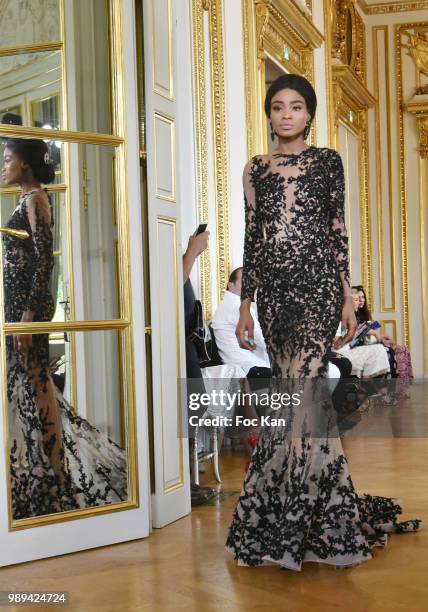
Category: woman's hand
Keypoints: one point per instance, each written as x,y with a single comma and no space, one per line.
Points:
22,342
386,340
245,328
349,321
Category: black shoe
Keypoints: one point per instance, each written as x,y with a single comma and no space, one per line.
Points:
199,495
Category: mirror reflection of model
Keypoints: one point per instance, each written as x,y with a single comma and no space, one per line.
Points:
59,462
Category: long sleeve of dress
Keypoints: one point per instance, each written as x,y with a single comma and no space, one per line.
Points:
338,235
42,256
252,238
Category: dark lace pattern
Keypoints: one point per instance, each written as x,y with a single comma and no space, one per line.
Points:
58,461
298,502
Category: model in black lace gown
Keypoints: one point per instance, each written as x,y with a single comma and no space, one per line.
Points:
298,502
58,461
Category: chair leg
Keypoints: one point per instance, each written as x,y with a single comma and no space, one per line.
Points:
215,454
195,462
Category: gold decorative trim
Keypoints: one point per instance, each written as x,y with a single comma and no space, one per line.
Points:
351,102
170,94
301,22
349,44
332,134
18,131
423,217
383,8
169,121
201,147
403,179
160,219
392,322
269,31
16,191
218,102
43,328
55,45
420,110
249,75
71,515
379,194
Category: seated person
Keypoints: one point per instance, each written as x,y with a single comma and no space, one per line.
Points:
224,324
400,354
367,361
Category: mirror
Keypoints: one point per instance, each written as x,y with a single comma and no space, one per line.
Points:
31,84
66,457
95,247
26,22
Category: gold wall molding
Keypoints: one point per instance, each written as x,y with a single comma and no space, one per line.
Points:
31,48
383,8
423,217
393,323
284,33
167,92
418,51
349,44
351,103
420,111
302,22
171,223
221,158
379,188
400,29
328,34
201,145
220,149
20,131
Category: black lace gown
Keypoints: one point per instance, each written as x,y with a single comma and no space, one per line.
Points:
58,461
298,502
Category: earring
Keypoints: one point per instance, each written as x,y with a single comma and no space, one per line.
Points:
307,129
272,133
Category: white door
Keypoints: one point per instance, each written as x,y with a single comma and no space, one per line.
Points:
166,57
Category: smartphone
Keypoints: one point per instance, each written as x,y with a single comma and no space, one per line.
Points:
201,228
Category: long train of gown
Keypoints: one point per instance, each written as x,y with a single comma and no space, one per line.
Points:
298,502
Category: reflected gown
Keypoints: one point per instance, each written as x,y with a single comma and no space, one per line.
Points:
58,461
298,502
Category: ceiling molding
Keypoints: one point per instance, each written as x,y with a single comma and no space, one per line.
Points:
381,8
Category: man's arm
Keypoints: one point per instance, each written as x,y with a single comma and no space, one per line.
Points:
196,246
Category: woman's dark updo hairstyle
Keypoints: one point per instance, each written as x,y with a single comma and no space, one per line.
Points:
35,153
299,84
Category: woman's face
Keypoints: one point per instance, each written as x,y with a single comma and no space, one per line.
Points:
361,299
288,113
356,300
12,168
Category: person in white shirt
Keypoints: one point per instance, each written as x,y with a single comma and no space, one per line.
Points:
224,324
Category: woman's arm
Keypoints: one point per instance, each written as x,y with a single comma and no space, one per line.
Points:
338,235
252,239
39,218
252,249
339,240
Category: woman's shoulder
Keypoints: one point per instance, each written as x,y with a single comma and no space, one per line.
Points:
36,202
327,153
